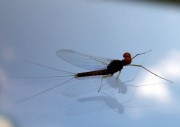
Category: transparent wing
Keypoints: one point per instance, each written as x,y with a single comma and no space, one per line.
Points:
82,60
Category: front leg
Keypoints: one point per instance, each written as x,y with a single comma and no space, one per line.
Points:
137,65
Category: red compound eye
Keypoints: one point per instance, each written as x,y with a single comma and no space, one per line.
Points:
125,55
127,60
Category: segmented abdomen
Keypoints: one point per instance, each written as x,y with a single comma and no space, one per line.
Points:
92,73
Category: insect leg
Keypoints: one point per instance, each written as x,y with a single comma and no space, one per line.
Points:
118,75
105,76
100,85
117,81
150,72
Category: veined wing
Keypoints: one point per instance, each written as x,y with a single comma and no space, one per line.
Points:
82,60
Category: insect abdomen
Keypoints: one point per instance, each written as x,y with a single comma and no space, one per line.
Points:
92,73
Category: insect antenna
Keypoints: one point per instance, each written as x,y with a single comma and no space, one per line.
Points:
141,53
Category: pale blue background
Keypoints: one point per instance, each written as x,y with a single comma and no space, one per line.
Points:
35,29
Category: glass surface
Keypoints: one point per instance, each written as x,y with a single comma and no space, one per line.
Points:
35,92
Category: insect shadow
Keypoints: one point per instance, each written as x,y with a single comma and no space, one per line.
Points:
118,84
107,101
94,104
110,83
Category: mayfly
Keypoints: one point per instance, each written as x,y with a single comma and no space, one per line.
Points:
108,66
99,66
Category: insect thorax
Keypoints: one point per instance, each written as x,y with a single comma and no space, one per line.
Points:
115,66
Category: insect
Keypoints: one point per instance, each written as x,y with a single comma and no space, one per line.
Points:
99,66
109,66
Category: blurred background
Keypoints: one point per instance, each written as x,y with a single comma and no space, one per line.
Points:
34,30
